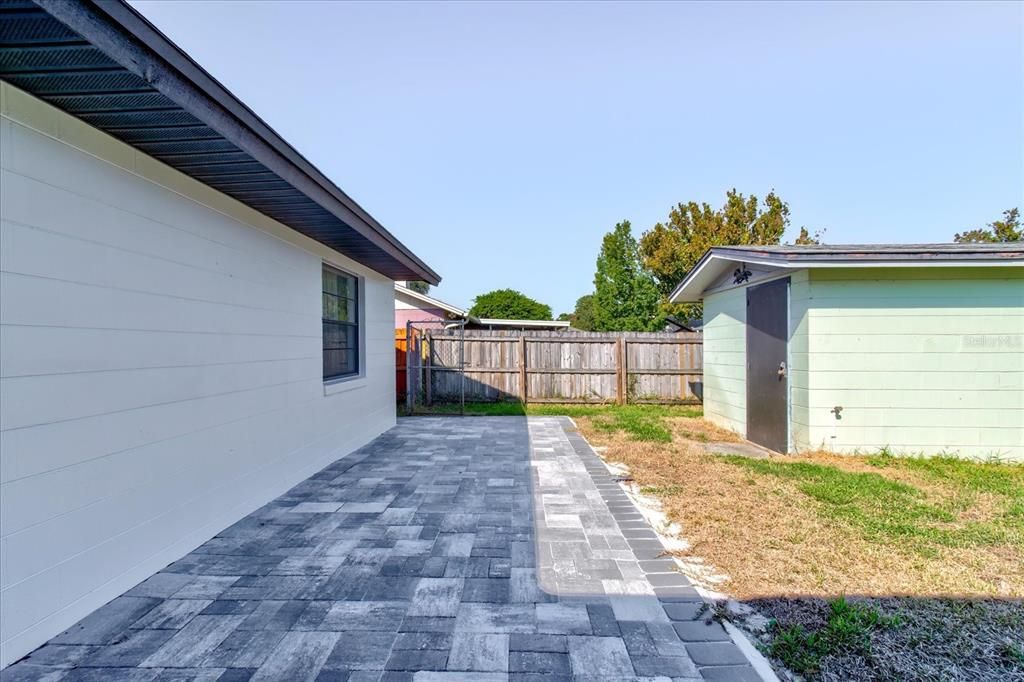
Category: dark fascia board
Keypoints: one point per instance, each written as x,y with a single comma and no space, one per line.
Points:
130,40
880,255
876,252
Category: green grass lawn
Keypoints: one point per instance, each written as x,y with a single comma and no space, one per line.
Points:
885,509
640,422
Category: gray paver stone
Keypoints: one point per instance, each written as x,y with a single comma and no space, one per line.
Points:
479,652
715,653
599,656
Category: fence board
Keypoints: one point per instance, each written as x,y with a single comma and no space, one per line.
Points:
559,366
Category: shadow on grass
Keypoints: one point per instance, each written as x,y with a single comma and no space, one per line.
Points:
891,637
641,422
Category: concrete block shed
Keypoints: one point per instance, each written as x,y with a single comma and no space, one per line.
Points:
915,348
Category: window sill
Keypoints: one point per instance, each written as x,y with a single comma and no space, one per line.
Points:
344,385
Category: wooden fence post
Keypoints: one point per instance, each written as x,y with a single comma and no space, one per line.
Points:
620,371
523,392
683,348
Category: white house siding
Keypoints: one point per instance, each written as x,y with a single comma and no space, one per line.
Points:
922,360
160,367
725,342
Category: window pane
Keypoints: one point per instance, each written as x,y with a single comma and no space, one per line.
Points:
340,315
330,307
337,336
330,282
341,311
339,362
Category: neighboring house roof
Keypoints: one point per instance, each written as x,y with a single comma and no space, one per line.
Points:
718,259
107,65
526,324
676,324
430,301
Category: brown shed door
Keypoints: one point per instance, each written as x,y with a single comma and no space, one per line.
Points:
767,372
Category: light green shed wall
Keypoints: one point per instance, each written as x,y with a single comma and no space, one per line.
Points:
725,340
799,360
920,359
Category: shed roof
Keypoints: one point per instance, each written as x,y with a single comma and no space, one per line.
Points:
106,64
718,259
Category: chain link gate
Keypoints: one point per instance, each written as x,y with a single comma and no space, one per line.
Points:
420,363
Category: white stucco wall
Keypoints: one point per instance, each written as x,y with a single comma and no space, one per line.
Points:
160,367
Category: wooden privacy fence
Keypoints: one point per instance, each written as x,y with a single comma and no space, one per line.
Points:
556,367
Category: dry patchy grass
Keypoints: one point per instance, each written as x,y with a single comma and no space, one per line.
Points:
933,549
774,533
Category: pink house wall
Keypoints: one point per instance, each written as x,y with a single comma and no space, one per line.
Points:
403,315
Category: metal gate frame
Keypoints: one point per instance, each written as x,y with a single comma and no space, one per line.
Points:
418,361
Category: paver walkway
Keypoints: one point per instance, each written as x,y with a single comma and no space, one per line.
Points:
486,548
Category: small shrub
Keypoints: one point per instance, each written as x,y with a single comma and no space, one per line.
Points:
882,458
850,625
797,649
846,632
1012,652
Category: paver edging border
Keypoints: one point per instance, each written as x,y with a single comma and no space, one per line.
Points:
589,456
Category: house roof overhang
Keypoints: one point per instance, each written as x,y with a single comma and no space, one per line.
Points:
717,260
102,62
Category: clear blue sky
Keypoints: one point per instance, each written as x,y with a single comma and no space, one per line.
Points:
501,141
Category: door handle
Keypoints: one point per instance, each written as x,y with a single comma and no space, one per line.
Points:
782,370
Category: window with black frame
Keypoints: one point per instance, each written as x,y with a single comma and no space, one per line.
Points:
340,323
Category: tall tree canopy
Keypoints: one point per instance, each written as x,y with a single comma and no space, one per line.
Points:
626,297
1006,230
671,249
582,316
509,304
806,238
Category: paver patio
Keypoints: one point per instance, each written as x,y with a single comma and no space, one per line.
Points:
488,548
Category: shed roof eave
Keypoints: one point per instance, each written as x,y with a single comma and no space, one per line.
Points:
717,260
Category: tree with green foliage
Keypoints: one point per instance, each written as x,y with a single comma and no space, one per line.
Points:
626,297
671,249
998,231
509,304
805,238
582,316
